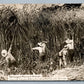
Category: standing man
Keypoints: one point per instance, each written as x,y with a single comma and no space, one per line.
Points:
70,46
62,56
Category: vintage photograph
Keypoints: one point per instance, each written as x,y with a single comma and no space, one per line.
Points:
42,42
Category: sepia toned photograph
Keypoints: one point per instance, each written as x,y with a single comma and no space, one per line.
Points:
42,42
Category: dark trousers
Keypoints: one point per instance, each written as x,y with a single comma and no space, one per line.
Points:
70,55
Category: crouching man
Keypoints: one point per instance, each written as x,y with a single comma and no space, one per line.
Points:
8,59
62,56
41,48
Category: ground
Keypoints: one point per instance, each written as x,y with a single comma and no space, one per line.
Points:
73,73
68,73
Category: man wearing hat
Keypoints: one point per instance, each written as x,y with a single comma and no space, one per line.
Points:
41,48
8,58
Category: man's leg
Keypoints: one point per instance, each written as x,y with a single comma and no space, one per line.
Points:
64,60
60,62
71,55
7,67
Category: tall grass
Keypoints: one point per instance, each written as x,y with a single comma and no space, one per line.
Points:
35,26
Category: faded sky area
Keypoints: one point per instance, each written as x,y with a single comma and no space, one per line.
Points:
41,1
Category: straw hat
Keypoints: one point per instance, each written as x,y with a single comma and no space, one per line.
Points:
4,53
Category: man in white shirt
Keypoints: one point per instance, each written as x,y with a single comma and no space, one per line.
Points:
70,43
70,46
41,48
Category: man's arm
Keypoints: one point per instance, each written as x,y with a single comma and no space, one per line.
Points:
9,50
60,53
35,48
